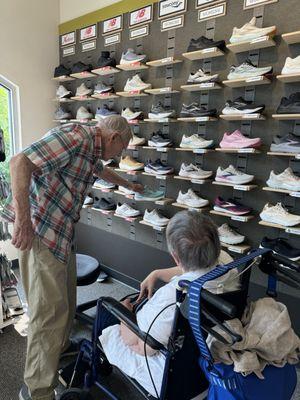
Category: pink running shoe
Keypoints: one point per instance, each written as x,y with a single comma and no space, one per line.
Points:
236,140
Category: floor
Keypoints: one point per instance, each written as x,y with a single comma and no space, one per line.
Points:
13,346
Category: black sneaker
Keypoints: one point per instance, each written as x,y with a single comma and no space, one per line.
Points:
158,168
81,67
61,70
290,105
281,247
104,204
194,110
204,43
158,139
105,60
73,349
242,106
159,111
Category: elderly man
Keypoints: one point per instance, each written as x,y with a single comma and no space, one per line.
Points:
50,179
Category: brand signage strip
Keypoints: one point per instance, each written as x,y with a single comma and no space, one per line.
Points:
112,39
68,38
172,23
87,33
205,3
212,12
141,16
139,32
111,25
68,51
166,8
88,46
256,3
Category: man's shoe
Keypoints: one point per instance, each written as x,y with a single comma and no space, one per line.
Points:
229,236
281,247
24,393
233,176
71,350
62,92
158,168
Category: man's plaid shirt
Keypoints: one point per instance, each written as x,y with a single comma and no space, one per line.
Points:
67,158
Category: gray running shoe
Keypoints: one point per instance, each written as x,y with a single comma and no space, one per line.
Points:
159,111
286,144
83,113
104,111
247,70
103,88
61,114
130,57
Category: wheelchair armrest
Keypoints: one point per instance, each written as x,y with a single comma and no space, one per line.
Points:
129,318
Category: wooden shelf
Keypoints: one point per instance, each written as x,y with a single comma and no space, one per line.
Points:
129,172
134,93
194,181
163,177
255,44
105,96
244,187
197,119
160,120
159,149
133,67
83,75
202,54
63,78
199,209
295,230
83,98
241,218
195,151
247,150
128,219
286,116
161,91
236,248
164,202
105,71
63,100
279,154
242,117
289,78
197,87
163,62
292,37
291,193
155,227
256,80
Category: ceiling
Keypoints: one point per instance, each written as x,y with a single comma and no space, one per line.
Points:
70,9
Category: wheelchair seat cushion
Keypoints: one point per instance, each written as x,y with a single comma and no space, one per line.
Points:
87,266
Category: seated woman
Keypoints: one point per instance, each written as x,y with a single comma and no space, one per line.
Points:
194,245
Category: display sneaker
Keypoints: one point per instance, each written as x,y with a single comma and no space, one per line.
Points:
241,106
130,164
236,140
104,112
81,67
286,144
83,113
286,180
61,114
61,70
159,111
194,110
232,175
131,115
279,215
105,60
201,77
228,235
247,70
62,92
136,141
290,105
101,88
195,142
230,207
204,43
108,162
102,184
291,66
83,90
104,204
191,199
149,195
156,218
158,139
193,172
126,191
130,57
281,247
136,84
158,168
88,201
250,31
126,211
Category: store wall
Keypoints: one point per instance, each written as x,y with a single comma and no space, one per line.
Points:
29,53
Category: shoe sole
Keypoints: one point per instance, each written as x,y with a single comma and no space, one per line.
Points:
149,198
241,182
155,172
260,72
203,146
196,177
216,208
126,168
127,216
234,111
129,62
192,206
231,242
161,115
284,149
278,186
154,144
273,220
156,223
244,38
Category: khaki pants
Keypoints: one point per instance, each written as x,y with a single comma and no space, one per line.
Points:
50,288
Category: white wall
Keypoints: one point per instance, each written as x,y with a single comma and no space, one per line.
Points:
29,54
70,9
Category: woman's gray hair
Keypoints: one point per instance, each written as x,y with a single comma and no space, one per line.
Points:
193,239
116,123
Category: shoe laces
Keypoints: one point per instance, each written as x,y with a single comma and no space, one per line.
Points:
281,209
234,170
289,174
192,194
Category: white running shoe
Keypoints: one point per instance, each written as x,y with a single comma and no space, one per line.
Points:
286,180
137,141
62,92
200,77
247,70
232,175
191,199
279,215
229,236
83,90
291,66
193,172
88,201
126,191
195,142
249,32
136,83
155,218
130,115
83,113
125,210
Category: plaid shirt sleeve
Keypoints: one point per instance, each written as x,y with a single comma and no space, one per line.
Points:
99,167
53,151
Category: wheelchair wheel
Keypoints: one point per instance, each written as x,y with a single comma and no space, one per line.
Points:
76,394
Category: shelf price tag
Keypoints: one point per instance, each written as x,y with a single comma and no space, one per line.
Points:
255,79
294,231
161,149
209,50
166,89
295,194
163,120
199,151
251,116
166,60
238,218
260,39
201,119
198,181
206,85
235,249
297,156
241,187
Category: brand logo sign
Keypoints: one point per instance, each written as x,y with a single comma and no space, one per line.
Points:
212,12
172,23
141,16
89,32
68,38
171,7
112,25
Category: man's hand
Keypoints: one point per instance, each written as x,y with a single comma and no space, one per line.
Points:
127,304
23,234
137,187
147,286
